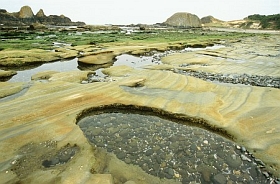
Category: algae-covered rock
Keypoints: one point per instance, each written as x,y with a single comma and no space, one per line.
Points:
98,58
4,75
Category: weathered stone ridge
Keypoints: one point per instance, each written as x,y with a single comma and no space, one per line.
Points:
26,17
183,19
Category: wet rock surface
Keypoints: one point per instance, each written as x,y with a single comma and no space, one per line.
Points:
37,156
250,114
6,75
173,151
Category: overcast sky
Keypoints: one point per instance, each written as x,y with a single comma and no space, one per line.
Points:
144,11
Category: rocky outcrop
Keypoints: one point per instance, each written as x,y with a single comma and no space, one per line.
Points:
209,19
26,17
40,13
9,19
6,75
183,19
98,58
26,12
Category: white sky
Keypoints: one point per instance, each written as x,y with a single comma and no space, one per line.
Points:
144,11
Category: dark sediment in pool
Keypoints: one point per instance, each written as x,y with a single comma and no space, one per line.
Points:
170,150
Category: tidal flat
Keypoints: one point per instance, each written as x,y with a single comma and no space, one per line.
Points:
222,86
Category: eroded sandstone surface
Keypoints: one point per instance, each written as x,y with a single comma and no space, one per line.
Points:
43,119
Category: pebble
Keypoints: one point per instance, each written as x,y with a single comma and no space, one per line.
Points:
164,149
253,80
219,179
245,158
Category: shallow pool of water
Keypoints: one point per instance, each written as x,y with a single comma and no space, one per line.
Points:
61,66
24,75
170,150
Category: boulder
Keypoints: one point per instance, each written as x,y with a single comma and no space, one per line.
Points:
98,58
209,19
40,13
26,12
3,11
183,19
37,26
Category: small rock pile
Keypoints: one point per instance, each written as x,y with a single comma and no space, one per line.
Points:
246,79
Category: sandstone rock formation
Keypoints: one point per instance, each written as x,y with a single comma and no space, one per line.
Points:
40,13
26,12
98,58
6,74
209,19
183,19
26,17
43,120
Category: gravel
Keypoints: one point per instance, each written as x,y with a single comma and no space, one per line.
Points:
170,150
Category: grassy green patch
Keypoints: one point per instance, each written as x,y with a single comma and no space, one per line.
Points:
20,48
45,40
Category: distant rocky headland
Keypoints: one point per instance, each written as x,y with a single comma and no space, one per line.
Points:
267,22
188,20
26,17
183,20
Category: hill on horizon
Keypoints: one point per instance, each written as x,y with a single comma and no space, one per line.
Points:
26,17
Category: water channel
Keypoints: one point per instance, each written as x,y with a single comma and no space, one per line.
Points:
72,65
24,75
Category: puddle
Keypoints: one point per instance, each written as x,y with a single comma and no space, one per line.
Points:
40,156
132,61
190,49
170,150
61,66
24,75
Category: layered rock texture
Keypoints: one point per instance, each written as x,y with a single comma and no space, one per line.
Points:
26,17
41,123
183,19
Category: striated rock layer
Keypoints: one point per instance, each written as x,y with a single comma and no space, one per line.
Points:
40,125
47,112
183,19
